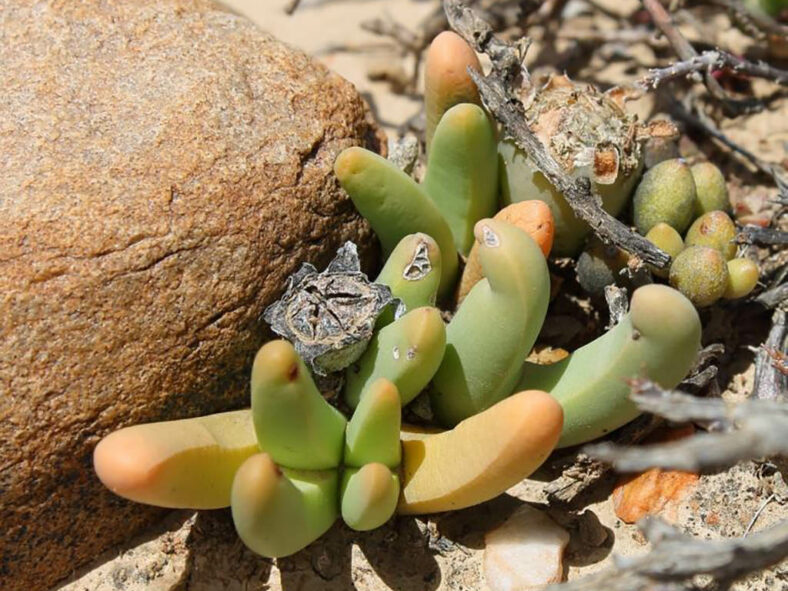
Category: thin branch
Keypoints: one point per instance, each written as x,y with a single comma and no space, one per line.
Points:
753,429
685,51
771,382
388,27
506,59
581,472
762,236
708,61
675,559
292,6
628,36
507,70
771,298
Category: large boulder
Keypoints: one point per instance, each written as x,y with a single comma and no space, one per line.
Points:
165,166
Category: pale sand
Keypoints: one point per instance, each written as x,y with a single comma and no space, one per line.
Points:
319,24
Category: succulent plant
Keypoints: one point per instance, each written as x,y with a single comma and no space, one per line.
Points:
368,496
598,266
715,230
396,206
373,431
588,133
666,193
711,190
657,339
532,217
290,466
412,273
666,238
446,79
482,456
406,352
294,423
659,149
293,464
742,278
459,188
277,511
462,174
495,326
701,274
157,463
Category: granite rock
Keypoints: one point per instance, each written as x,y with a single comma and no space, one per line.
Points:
165,166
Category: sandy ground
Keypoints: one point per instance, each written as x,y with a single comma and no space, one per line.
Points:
318,27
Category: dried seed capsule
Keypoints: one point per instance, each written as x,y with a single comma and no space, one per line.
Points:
742,278
666,193
368,496
588,133
665,237
278,511
329,316
658,339
715,230
701,274
710,187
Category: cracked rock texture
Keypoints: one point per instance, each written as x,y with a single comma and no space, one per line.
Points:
165,166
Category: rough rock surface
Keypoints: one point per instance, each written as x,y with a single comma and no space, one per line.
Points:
165,166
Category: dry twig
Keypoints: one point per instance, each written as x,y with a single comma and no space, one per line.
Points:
756,21
292,6
771,381
701,122
580,472
708,61
752,429
762,236
675,559
686,52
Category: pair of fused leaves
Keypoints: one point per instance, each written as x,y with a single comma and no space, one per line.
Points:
315,465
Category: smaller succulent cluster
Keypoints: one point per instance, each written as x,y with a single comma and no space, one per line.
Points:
671,200
674,198
313,463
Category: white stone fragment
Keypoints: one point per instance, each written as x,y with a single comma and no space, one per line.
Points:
525,553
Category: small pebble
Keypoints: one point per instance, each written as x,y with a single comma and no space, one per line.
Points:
525,553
